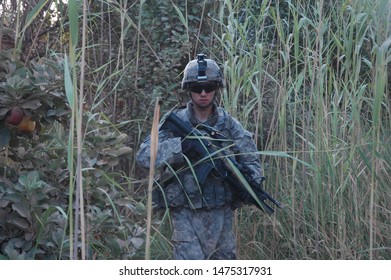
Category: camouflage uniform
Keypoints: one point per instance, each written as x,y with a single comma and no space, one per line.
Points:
202,216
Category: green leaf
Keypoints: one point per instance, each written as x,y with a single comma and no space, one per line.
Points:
3,111
3,203
137,242
22,209
181,16
33,104
34,12
121,151
23,181
33,177
20,222
12,253
246,185
30,18
68,83
73,21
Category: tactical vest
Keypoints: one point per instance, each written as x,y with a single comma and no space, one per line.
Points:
183,190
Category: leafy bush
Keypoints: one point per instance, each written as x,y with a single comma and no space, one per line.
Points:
35,186
31,226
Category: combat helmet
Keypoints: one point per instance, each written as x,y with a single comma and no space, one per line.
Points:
201,70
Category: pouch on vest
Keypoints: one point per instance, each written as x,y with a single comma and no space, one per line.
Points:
171,196
193,191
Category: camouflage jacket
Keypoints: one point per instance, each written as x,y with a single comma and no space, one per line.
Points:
169,157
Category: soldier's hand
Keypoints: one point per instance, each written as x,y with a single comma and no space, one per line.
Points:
188,148
246,197
193,148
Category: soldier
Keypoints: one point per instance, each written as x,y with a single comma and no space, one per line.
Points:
202,215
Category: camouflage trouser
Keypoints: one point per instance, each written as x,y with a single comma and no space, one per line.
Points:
204,234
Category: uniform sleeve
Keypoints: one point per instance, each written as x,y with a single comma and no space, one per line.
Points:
246,150
168,151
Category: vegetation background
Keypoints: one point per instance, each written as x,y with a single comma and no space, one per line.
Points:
309,78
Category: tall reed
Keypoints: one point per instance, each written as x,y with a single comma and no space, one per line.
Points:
317,91
154,144
309,79
71,87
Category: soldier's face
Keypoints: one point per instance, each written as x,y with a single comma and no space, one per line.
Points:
203,94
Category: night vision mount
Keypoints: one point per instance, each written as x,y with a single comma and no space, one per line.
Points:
201,68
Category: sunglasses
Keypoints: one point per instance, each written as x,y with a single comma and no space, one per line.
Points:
198,88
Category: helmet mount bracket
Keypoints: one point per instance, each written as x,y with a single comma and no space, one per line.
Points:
201,68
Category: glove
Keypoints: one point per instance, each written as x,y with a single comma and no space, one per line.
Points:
188,148
246,197
192,148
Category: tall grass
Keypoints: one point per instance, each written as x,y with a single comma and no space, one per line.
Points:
309,78
75,99
325,76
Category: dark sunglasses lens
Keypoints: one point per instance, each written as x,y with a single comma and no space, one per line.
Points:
210,87
200,88
196,88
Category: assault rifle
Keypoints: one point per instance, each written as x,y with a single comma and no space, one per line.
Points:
226,167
